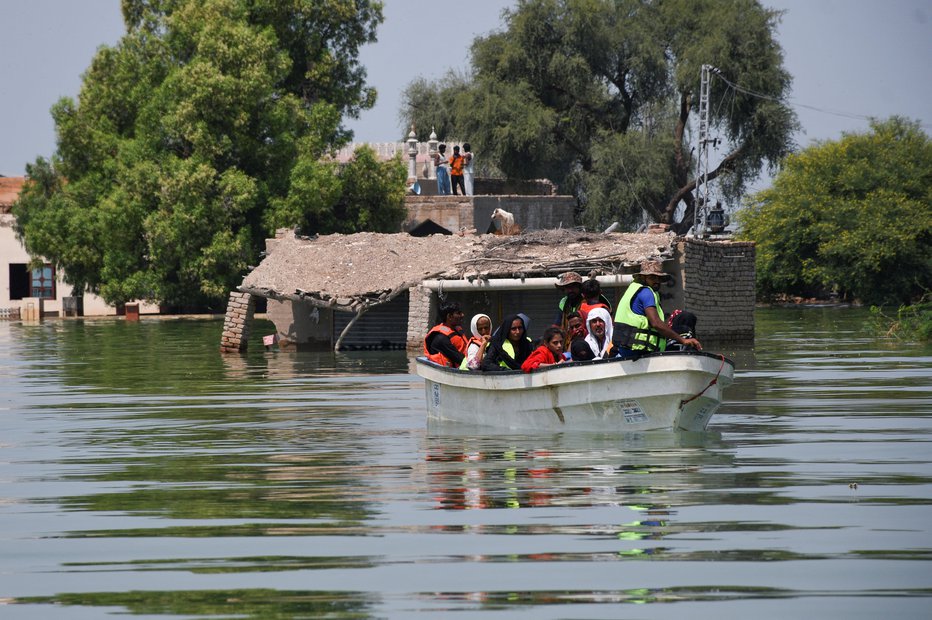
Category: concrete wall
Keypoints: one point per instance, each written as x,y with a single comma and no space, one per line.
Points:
718,286
301,325
455,213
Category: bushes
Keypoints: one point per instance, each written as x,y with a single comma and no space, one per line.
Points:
851,216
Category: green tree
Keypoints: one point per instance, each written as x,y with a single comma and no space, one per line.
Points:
599,96
208,123
850,216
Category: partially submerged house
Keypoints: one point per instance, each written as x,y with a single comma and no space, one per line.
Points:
381,291
30,291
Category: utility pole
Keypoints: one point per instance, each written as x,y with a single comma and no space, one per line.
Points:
702,165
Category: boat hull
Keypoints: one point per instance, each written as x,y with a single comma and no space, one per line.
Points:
676,390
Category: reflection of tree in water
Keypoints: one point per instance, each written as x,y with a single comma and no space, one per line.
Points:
324,486
254,603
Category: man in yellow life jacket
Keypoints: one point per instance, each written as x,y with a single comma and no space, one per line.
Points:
639,323
445,343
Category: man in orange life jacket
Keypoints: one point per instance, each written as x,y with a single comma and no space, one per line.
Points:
445,343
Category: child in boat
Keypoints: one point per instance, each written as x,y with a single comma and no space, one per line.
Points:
550,351
683,323
575,331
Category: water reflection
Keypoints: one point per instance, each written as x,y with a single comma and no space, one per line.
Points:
146,474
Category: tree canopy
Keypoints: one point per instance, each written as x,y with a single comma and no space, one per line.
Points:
850,216
208,125
599,95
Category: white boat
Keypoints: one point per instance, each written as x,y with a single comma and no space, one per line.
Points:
670,390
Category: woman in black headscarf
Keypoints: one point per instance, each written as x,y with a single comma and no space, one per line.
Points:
509,346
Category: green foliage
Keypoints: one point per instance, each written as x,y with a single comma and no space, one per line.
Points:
363,195
599,95
206,126
851,216
912,322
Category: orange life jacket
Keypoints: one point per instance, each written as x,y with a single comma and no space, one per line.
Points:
456,338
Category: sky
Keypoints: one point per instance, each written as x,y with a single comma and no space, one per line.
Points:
850,59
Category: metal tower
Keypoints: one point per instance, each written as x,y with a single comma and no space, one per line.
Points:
702,165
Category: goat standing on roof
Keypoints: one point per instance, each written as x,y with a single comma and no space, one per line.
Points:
504,223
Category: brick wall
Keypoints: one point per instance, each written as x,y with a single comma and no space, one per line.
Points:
422,308
235,335
718,286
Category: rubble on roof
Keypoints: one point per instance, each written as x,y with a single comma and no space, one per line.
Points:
353,272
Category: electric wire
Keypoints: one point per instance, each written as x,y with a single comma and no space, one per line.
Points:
791,102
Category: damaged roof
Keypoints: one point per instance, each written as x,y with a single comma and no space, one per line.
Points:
353,272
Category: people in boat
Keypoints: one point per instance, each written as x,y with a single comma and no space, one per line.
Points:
549,353
570,283
599,339
592,295
683,323
445,343
575,330
509,346
481,329
639,320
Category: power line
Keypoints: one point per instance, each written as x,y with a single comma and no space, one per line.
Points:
791,102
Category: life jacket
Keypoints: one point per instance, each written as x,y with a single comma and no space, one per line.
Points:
585,307
508,348
455,337
633,331
464,365
456,165
566,309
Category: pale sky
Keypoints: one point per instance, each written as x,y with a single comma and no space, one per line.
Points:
849,59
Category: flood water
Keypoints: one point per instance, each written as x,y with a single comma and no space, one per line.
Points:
143,474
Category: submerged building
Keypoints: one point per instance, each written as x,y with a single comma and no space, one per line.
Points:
382,291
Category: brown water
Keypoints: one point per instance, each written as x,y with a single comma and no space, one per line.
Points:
144,474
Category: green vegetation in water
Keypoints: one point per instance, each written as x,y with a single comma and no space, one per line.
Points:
849,216
911,322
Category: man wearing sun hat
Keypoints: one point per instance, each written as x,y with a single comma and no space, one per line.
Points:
639,323
571,284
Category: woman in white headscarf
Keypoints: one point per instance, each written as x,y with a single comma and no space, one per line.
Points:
480,327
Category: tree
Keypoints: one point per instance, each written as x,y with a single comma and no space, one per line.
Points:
850,216
207,124
599,96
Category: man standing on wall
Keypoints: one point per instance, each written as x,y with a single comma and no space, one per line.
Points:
456,171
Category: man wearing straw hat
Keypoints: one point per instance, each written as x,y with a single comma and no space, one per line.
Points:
571,285
639,323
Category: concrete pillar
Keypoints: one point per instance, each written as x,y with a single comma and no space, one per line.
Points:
31,309
412,156
240,310
431,151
